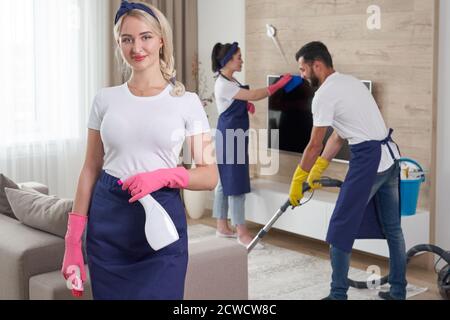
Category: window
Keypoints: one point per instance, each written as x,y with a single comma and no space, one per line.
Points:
49,67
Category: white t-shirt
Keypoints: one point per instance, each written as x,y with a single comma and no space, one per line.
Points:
344,103
224,92
142,134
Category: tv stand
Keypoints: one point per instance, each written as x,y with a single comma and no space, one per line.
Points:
312,219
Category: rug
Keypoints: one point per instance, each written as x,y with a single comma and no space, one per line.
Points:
276,273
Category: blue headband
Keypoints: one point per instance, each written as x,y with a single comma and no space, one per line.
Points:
229,55
126,7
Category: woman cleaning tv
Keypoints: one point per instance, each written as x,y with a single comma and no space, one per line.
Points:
233,104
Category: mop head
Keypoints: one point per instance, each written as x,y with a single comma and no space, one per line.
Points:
294,83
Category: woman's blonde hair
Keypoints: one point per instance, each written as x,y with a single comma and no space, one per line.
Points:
162,29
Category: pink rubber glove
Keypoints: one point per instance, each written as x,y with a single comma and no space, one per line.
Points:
73,255
251,108
280,84
144,183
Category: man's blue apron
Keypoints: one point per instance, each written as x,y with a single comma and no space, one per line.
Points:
355,217
122,264
232,148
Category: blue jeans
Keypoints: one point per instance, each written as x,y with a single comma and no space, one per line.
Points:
234,204
387,200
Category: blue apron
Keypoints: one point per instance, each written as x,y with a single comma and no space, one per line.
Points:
233,170
122,264
355,215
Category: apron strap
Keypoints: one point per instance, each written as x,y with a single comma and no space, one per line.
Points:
386,142
232,80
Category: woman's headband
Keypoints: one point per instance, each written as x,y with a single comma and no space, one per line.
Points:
229,55
126,7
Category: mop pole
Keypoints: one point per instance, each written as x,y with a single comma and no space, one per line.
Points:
325,182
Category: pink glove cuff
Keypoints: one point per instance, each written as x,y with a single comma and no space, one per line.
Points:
251,108
280,84
178,178
75,227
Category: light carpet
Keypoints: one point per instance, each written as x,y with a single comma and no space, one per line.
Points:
276,273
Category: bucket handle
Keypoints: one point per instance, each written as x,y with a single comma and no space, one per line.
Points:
415,163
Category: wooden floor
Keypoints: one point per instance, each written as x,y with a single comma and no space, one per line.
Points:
416,275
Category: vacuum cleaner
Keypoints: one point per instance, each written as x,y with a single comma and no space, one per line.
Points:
443,281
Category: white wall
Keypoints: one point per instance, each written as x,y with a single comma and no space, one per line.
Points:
218,21
443,127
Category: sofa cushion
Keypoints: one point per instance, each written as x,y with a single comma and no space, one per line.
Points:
33,186
25,252
51,286
39,211
5,208
217,270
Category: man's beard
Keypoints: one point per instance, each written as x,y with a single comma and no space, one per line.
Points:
313,80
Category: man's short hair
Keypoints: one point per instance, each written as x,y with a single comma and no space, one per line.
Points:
313,51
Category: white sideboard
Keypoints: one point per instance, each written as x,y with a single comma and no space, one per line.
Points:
312,219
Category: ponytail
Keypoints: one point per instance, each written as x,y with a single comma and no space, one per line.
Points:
215,57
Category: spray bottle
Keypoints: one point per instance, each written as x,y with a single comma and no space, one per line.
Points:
160,230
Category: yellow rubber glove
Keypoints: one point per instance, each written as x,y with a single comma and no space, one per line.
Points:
296,190
316,172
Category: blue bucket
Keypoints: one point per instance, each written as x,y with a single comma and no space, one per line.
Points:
409,191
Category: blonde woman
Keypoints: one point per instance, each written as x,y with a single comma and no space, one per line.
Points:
138,128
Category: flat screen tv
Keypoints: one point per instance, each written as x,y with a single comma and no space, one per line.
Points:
290,119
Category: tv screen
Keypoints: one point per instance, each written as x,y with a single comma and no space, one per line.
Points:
290,115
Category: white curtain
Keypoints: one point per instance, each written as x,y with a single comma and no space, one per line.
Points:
54,56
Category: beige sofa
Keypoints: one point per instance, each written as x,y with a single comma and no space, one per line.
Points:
31,259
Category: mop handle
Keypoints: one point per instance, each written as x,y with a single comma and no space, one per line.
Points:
280,50
325,182
272,33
